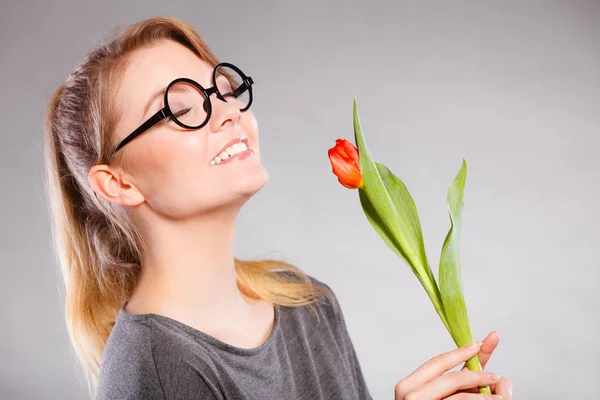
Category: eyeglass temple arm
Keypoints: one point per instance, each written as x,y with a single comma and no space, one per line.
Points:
145,126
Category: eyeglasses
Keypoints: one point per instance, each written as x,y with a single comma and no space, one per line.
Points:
188,104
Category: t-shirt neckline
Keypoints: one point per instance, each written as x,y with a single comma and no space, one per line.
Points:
203,335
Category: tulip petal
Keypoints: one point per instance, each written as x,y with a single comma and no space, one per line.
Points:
350,149
348,174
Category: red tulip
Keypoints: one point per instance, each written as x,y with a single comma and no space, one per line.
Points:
345,165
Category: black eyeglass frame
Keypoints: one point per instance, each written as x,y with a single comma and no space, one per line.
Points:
166,110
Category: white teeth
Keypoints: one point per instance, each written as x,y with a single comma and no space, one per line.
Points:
230,151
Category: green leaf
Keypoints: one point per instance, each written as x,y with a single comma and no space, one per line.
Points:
449,274
391,210
380,227
390,206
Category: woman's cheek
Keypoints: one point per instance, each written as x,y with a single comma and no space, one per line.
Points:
250,127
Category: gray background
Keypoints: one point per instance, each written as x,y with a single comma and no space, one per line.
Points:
512,86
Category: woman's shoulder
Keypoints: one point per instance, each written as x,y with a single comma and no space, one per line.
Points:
330,298
127,369
144,359
312,279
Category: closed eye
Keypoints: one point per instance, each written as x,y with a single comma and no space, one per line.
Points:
237,92
182,112
178,114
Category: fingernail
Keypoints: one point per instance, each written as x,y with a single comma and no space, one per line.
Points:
496,397
473,345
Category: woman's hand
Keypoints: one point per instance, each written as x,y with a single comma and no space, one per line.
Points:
428,382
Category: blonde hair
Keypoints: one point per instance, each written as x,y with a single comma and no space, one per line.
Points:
97,246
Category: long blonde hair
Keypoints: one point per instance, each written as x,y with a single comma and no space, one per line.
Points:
97,246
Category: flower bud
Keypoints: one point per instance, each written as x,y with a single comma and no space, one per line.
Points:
344,163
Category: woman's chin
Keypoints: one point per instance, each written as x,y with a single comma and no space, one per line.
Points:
252,179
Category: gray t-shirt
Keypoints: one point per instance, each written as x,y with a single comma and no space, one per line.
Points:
152,357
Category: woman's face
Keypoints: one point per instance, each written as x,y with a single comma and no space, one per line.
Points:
169,165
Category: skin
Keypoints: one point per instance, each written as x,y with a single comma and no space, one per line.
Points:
430,381
186,211
185,208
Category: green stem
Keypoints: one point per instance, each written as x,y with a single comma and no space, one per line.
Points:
431,287
473,364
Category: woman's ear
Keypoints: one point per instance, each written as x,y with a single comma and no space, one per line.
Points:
108,184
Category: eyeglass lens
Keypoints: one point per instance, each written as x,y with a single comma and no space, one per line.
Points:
189,104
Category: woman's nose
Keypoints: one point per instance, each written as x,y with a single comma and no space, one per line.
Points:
222,113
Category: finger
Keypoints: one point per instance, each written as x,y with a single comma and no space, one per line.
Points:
469,396
451,382
487,348
504,388
436,367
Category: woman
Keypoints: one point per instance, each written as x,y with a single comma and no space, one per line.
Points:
151,150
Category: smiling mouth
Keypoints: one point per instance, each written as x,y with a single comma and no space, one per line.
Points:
238,156
236,149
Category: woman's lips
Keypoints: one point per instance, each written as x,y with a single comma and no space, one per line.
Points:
237,156
242,139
